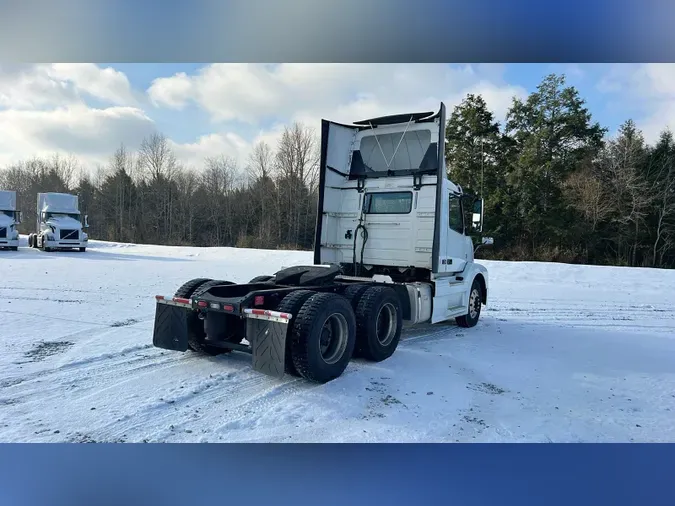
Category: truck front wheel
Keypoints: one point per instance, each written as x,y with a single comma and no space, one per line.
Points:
379,321
471,318
324,335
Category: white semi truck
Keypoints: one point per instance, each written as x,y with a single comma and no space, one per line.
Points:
9,219
393,244
59,223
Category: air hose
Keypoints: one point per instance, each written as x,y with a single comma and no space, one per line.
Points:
364,236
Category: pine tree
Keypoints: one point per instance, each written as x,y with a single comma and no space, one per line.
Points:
553,137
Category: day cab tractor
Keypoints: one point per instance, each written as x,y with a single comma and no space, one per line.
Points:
59,223
393,244
10,218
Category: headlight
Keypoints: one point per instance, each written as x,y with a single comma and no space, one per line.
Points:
16,235
84,236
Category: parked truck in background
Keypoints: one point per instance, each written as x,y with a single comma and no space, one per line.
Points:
59,223
9,219
393,244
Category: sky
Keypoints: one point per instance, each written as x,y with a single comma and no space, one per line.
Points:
88,110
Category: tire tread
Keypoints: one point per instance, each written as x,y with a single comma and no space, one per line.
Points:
303,325
292,303
364,314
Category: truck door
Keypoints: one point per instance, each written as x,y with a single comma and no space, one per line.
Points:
456,251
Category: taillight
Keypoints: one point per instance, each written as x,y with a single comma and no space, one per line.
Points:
228,307
202,303
259,300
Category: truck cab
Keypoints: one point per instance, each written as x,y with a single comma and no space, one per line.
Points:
59,223
388,209
9,219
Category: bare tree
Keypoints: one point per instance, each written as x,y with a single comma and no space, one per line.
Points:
156,157
297,162
158,161
260,170
622,162
588,195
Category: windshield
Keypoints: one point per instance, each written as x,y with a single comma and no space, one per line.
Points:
74,216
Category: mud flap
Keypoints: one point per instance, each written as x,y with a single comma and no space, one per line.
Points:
171,327
268,345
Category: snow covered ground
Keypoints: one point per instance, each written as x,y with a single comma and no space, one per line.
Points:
562,354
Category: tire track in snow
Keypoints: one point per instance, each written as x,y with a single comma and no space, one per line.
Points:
231,401
93,332
38,385
214,398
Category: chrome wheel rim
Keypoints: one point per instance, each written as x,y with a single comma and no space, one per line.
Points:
474,303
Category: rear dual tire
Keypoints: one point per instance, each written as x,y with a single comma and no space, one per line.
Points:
323,337
292,304
379,321
327,329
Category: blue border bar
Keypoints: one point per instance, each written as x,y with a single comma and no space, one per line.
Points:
466,475
276,31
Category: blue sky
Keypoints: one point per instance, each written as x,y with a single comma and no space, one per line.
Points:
87,110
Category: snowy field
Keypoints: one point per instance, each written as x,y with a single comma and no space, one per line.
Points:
562,354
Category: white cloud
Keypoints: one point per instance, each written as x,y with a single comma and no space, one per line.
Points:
43,111
254,93
92,135
260,95
106,84
30,87
646,92
228,144
61,84
44,108
171,92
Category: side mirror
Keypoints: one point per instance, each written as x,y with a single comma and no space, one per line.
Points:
477,217
18,217
86,221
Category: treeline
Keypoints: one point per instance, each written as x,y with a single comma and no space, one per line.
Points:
556,187
148,197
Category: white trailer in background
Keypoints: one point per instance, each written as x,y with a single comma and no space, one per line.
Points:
9,219
59,223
